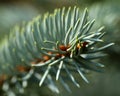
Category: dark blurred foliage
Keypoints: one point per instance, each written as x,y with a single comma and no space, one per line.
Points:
106,12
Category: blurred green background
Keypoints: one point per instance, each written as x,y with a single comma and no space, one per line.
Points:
106,12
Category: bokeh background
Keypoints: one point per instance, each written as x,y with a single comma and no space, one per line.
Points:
106,12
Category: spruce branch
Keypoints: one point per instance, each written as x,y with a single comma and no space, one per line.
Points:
52,46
